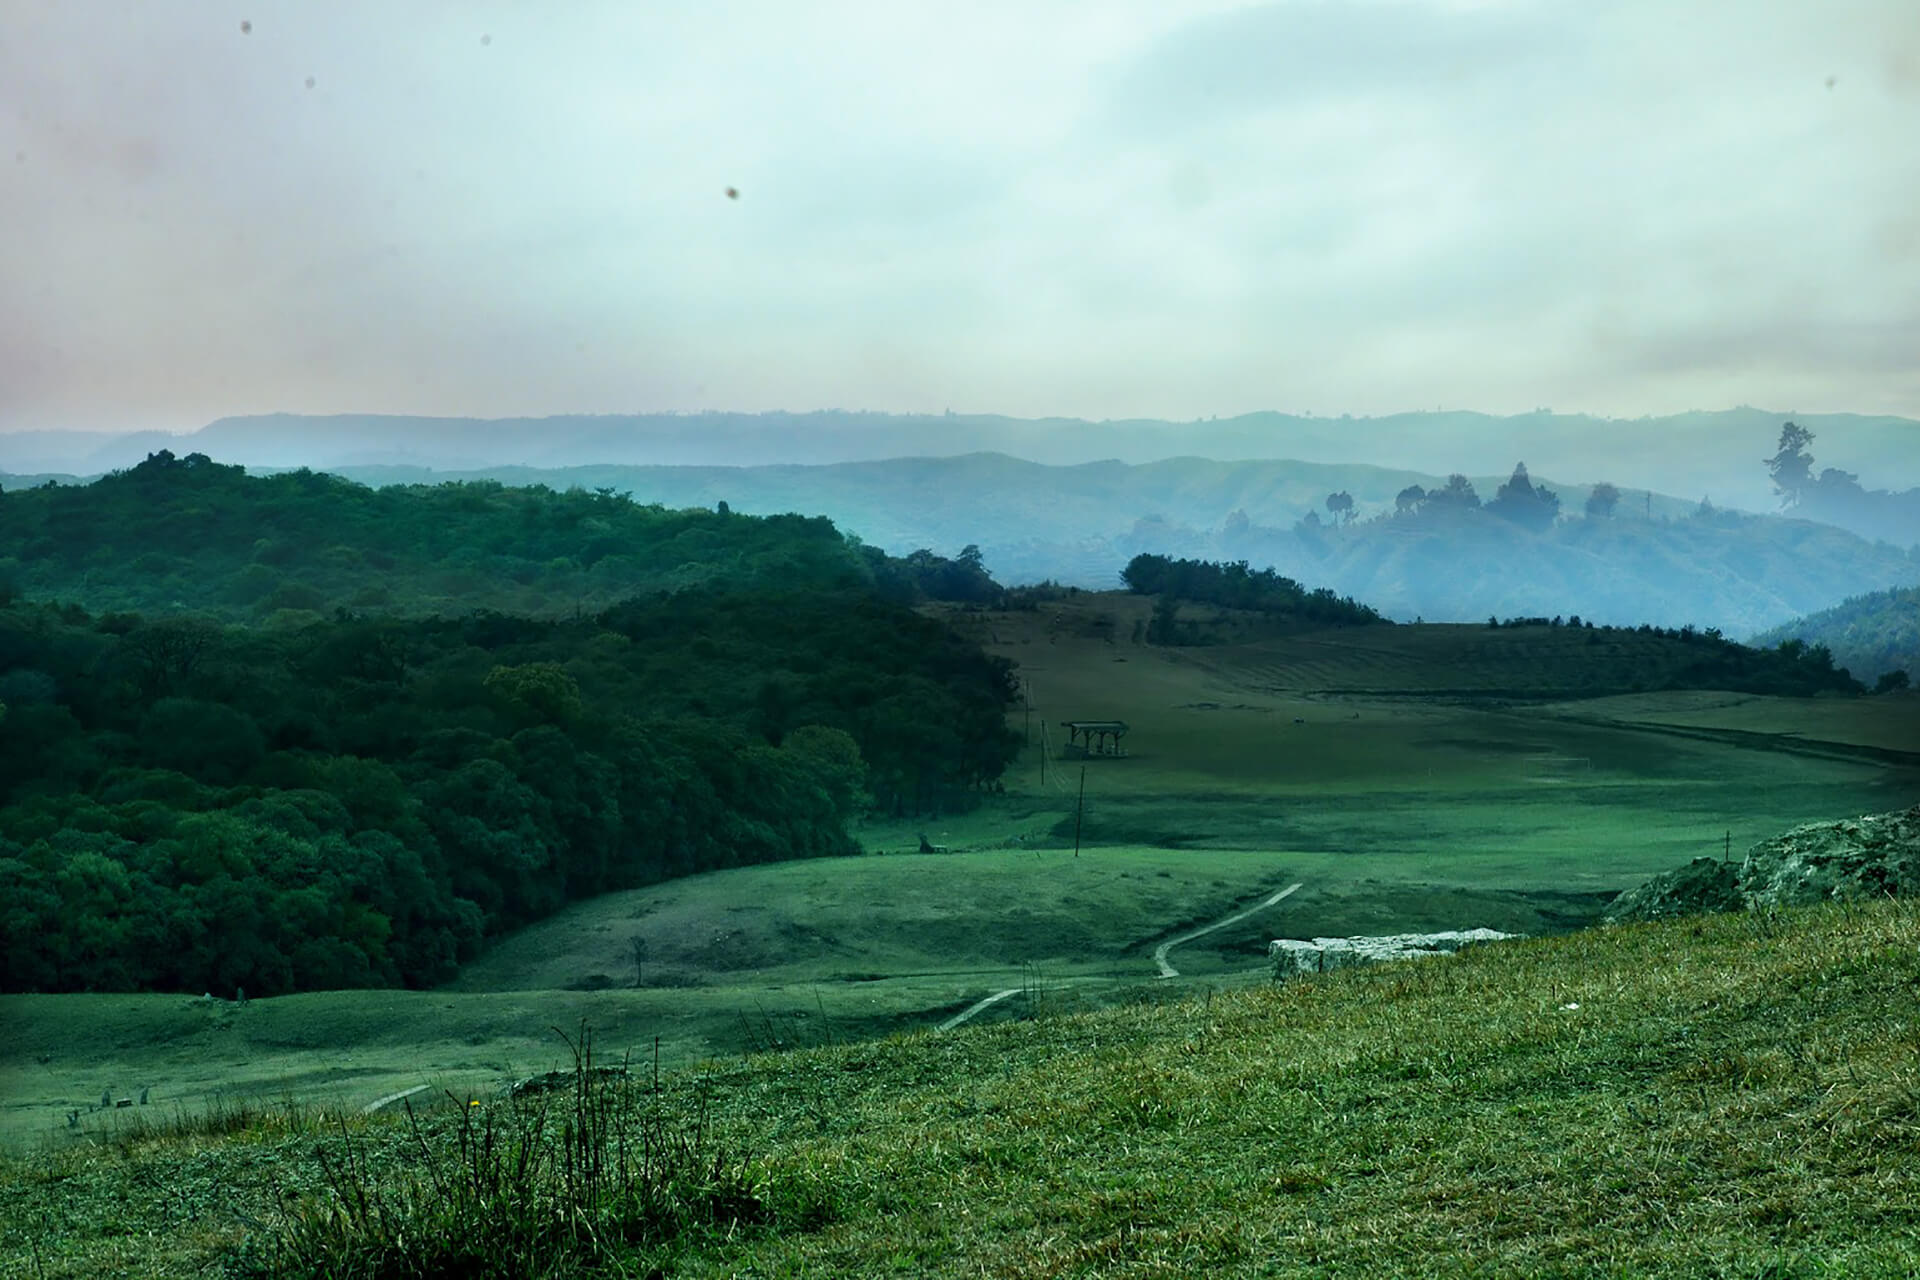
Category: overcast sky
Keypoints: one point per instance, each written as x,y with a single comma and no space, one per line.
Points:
1103,209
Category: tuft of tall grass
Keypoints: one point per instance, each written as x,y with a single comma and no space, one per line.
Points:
579,1179
225,1116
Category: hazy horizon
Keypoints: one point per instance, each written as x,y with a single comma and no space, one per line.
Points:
1134,210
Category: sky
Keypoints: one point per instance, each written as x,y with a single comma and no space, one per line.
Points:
1116,208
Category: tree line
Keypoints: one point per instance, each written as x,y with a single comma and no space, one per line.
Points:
1234,585
1791,668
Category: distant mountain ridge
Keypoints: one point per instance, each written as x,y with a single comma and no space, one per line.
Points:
1659,559
1713,454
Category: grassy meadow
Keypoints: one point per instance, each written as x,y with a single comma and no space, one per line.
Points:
1394,806
1731,1096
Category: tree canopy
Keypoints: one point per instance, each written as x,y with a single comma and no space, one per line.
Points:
189,534
1524,503
363,787
1236,586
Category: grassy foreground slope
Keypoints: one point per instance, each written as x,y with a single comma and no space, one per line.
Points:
1729,1096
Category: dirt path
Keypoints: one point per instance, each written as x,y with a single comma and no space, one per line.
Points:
1160,952
1159,957
976,1007
392,1098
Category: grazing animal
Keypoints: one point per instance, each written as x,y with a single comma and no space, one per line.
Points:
927,846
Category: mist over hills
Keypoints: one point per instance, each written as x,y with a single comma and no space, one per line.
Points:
1703,453
1082,498
1658,559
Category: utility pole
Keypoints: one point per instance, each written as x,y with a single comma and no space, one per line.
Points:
1079,806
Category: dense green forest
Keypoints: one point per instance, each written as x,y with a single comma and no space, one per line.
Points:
364,797
190,806
1877,636
175,534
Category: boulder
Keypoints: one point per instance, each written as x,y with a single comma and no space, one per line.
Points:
1875,856
1703,885
1292,956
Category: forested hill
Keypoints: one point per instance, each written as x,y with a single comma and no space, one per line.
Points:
1876,636
191,534
186,806
396,768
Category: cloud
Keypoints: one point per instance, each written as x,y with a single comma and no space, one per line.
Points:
1278,57
1113,209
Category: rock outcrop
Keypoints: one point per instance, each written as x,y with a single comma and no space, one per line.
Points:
1703,885
1875,856
1292,956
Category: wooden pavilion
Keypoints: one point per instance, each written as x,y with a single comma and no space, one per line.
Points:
1095,737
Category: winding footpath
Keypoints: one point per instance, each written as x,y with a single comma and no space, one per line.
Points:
392,1098
976,1007
1159,957
1160,952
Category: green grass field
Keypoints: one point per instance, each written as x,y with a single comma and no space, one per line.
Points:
1732,1097
1395,807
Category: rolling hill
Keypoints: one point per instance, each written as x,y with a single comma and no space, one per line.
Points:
1871,635
1658,559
